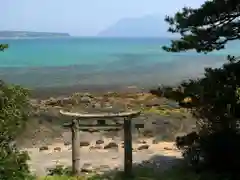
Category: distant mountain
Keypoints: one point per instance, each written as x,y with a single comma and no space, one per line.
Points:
29,34
146,26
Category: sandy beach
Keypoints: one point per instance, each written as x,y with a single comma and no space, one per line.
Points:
94,158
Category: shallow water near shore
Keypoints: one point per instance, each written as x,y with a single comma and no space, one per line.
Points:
69,62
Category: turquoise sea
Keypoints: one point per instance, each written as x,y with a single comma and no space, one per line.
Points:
101,61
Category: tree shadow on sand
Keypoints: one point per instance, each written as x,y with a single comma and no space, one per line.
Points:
155,168
152,169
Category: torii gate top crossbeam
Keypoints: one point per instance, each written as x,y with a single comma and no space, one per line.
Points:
101,115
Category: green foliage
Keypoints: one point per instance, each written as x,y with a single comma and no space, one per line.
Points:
215,100
168,92
206,28
180,172
3,47
62,178
215,104
214,97
13,164
14,111
60,170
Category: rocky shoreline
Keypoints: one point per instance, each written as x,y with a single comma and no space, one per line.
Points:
160,116
45,138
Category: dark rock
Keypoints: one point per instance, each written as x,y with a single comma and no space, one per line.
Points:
116,157
43,148
142,147
141,142
99,141
111,145
92,130
193,127
57,149
166,122
139,126
40,121
84,143
155,141
87,168
154,102
67,143
134,150
96,105
184,116
85,99
104,168
66,101
60,102
108,105
52,102
173,104
95,147
168,148
148,133
157,92
88,95
180,134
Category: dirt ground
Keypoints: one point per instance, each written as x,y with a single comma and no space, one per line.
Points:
161,155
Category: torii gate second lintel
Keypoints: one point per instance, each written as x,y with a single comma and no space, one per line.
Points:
74,125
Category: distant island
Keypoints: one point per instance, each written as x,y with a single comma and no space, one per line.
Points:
29,34
145,26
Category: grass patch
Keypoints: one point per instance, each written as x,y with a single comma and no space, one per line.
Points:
61,178
143,173
157,111
163,111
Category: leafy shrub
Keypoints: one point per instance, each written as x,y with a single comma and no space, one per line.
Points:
3,47
14,111
60,170
215,104
215,97
13,164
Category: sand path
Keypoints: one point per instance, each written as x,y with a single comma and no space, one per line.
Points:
162,154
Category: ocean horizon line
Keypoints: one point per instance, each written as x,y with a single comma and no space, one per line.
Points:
93,37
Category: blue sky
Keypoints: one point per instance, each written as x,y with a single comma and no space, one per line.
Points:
80,17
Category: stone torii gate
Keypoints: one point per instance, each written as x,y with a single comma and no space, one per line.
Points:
76,127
